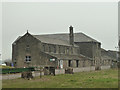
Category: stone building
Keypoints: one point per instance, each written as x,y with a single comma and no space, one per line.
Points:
56,50
109,57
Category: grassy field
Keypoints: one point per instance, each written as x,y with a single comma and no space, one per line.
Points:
93,79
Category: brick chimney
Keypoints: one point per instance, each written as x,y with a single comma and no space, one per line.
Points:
71,35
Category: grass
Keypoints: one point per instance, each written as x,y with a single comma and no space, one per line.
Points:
5,66
93,79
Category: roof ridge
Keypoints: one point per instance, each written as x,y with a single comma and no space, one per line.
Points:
59,33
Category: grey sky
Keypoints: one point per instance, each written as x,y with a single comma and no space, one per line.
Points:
98,20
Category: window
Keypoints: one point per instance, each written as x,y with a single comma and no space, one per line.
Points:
59,50
69,63
67,50
28,58
44,48
49,49
71,50
54,49
77,62
27,48
63,49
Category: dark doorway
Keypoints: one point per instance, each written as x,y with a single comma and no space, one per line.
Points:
69,63
77,62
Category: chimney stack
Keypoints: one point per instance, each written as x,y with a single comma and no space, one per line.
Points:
71,35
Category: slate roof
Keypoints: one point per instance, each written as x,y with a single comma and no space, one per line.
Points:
78,37
52,40
62,39
108,54
17,39
69,57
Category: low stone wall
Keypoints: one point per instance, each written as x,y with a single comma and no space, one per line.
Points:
11,76
92,68
18,75
62,71
105,67
37,73
59,71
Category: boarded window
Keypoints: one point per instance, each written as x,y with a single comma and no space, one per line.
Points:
27,48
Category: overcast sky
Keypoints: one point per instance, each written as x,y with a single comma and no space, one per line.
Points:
98,20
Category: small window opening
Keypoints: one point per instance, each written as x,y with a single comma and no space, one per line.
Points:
28,58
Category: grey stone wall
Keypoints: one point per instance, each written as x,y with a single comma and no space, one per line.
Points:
81,63
61,49
41,52
30,46
92,68
27,45
92,50
97,55
105,67
86,48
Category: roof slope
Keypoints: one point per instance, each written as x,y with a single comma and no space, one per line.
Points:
108,54
69,57
52,40
62,39
78,37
